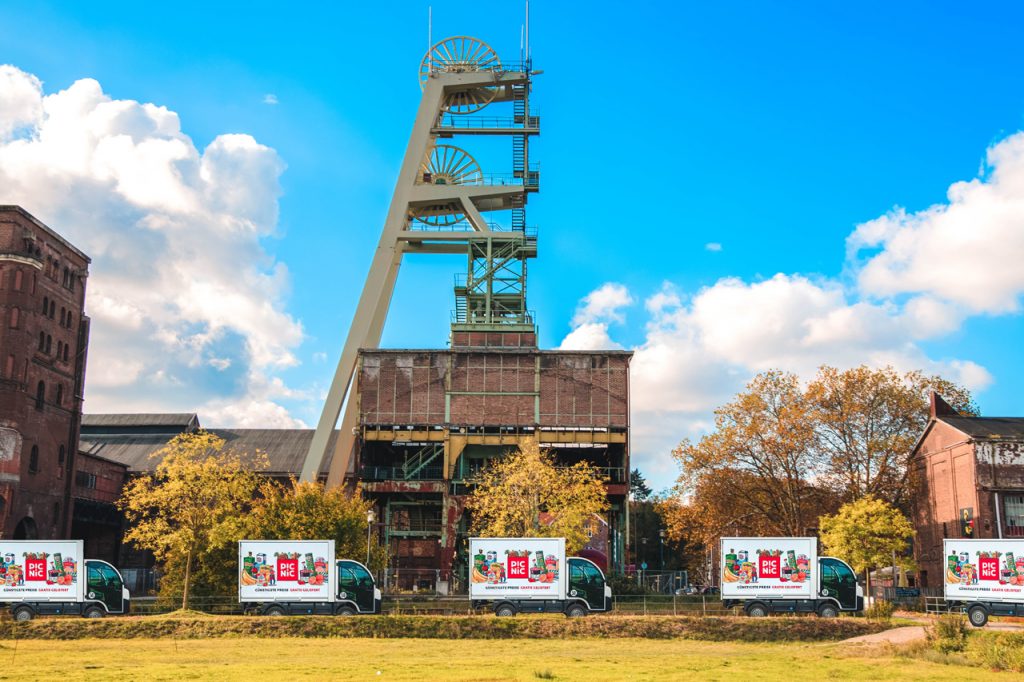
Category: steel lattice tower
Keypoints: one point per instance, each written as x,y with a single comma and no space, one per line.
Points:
439,205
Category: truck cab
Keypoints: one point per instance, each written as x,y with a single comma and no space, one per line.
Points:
356,589
588,585
839,582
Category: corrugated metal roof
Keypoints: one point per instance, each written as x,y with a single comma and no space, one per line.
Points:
180,419
285,448
988,428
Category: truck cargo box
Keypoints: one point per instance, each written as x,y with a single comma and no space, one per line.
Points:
42,571
983,570
769,568
286,571
517,568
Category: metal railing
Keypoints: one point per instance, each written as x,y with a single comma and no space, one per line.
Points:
427,473
476,122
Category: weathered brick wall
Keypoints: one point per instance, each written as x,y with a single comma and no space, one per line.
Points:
495,388
109,479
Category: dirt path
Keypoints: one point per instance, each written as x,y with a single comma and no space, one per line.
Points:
903,635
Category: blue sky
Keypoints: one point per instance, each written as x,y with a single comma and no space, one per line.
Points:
770,129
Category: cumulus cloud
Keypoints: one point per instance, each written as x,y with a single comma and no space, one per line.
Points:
713,246
188,307
270,98
966,252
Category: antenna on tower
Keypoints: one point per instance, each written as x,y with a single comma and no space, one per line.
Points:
430,40
526,34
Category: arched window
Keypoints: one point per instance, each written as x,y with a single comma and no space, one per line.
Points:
40,395
49,343
60,347
15,316
65,352
17,279
63,313
53,309
42,340
67,277
60,456
69,319
46,305
60,394
9,373
33,460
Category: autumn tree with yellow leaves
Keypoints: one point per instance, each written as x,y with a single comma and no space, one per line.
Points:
194,506
512,492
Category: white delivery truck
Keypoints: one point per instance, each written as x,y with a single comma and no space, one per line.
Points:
984,577
534,575
50,578
302,577
786,575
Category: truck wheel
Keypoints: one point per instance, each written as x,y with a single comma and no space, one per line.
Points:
23,615
978,615
575,611
757,610
346,611
94,612
505,611
828,611
274,611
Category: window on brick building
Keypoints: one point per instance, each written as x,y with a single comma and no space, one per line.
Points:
1013,505
15,317
60,347
67,278
33,460
53,309
60,394
63,313
83,479
60,456
9,370
65,353
46,305
42,341
40,395
17,279
69,319
49,344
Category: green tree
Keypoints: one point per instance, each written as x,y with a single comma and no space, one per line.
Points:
639,491
510,494
866,534
304,511
192,509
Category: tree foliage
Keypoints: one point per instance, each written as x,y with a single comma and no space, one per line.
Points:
510,494
303,511
639,491
866,422
781,454
866,533
192,509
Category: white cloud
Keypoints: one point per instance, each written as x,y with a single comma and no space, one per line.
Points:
713,246
966,252
270,98
603,304
188,307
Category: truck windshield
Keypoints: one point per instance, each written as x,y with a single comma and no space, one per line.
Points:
354,574
103,575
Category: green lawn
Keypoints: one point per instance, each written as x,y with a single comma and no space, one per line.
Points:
592,660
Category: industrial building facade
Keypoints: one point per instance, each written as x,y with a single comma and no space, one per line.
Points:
430,420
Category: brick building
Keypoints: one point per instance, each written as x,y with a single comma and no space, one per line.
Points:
970,477
43,339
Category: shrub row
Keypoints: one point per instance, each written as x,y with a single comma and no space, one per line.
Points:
447,627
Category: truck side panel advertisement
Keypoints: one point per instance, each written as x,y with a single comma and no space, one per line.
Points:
769,568
286,570
41,570
517,568
984,570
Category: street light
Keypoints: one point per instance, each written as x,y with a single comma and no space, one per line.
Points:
370,517
661,548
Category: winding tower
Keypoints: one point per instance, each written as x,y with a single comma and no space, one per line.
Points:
439,206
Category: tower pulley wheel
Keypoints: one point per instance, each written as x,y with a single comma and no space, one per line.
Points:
447,165
461,54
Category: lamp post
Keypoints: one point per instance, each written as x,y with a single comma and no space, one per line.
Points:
370,517
661,548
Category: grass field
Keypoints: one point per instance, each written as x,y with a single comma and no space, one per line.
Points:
593,660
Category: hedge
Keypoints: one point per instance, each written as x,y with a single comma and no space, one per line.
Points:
737,629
